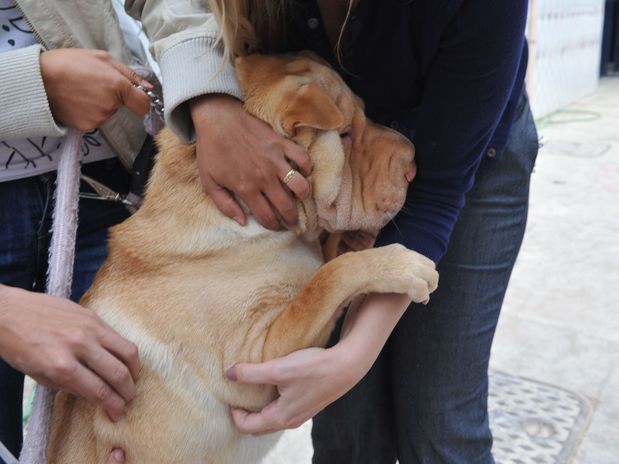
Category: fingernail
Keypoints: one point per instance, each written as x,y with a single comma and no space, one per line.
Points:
239,219
231,374
115,417
118,455
147,84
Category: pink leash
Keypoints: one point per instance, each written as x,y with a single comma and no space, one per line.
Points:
59,279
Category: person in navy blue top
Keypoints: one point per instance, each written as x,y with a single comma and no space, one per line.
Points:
413,383
446,74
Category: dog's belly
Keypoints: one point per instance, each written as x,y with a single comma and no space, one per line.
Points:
191,322
161,425
177,416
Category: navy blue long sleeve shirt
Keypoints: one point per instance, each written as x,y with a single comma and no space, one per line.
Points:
445,73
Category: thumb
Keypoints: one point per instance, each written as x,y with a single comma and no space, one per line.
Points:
262,373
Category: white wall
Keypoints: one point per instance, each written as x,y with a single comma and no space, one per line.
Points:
565,38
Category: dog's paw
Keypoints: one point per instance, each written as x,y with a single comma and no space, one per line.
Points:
406,271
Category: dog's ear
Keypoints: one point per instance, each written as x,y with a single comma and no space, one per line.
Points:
311,107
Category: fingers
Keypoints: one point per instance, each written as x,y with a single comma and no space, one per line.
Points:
89,386
111,371
262,210
297,183
253,423
279,181
125,351
133,98
299,157
129,73
283,202
289,180
261,373
116,456
223,200
272,418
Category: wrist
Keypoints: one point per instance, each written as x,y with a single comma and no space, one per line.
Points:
348,362
207,107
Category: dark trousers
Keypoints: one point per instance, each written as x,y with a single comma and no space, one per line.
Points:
25,218
425,399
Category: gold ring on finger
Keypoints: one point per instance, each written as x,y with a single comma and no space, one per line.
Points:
288,177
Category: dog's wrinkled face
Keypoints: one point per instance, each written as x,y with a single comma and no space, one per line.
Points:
357,184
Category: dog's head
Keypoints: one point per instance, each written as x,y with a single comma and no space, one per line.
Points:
357,184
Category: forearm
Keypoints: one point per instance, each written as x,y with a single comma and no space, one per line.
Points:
4,311
367,327
308,380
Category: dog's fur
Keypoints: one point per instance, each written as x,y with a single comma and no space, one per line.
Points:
197,292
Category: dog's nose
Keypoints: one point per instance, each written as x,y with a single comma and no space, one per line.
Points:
411,172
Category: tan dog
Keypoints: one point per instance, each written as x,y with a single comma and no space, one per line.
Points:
197,292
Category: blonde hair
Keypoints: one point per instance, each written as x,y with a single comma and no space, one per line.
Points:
257,25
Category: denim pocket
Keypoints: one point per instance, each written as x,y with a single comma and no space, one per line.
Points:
523,140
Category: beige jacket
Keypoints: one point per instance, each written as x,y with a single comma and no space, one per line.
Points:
182,32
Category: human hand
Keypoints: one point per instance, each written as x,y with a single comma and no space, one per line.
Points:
307,381
85,87
310,379
65,346
238,153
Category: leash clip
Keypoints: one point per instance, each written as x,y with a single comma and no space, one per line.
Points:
103,192
156,102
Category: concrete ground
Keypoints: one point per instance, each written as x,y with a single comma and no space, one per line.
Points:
560,321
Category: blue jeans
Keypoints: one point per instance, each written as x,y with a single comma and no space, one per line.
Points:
425,399
25,214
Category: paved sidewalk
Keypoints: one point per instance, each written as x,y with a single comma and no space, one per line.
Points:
555,383
560,322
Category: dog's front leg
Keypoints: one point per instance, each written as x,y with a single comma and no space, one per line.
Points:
308,319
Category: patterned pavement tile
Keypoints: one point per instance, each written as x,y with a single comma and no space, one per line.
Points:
533,422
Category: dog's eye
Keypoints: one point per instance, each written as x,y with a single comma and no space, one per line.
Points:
345,134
